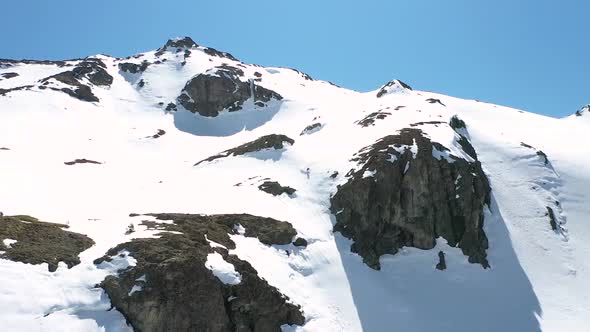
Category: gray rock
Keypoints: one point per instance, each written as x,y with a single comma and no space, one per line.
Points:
274,188
134,68
552,219
273,141
41,242
442,264
412,201
370,119
180,294
213,92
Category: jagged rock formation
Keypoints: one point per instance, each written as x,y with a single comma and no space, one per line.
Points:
40,242
408,191
392,87
274,188
222,89
175,291
272,141
91,70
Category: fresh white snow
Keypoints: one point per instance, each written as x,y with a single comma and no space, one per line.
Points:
537,282
223,270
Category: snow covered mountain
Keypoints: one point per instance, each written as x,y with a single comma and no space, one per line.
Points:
188,191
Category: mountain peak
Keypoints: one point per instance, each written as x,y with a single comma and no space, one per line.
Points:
181,42
393,86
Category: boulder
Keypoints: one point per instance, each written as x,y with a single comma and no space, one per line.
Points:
274,188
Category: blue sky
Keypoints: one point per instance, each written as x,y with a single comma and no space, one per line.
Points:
529,54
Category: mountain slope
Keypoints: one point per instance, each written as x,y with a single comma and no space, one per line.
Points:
165,111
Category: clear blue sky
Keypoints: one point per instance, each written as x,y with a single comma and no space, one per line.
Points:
529,54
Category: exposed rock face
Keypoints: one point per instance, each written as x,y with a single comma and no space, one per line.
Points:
222,89
402,197
81,161
134,68
213,52
40,242
457,123
3,92
435,101
423,123
8,75
179,293
272,141
552,219
370,119
274,188
93,70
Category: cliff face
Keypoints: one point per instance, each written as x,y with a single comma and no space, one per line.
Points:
408,191
176,285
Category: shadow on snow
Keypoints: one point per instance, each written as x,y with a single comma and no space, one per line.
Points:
410,295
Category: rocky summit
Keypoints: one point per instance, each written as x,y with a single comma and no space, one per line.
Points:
182,189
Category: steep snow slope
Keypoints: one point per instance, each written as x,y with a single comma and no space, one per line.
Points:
537,280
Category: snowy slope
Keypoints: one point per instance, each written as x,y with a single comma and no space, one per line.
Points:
537,282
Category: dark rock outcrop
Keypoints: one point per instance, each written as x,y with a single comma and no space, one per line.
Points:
422,123
184,42
3,92
93,70
312,128
585,109
442,264
457,123
40,242
179,293
552,218
435,101
370,119
300,242
412,199
272,141
543,156
134,68
9,75
81,161
274,188
171,107
160,133
222,89
213,52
